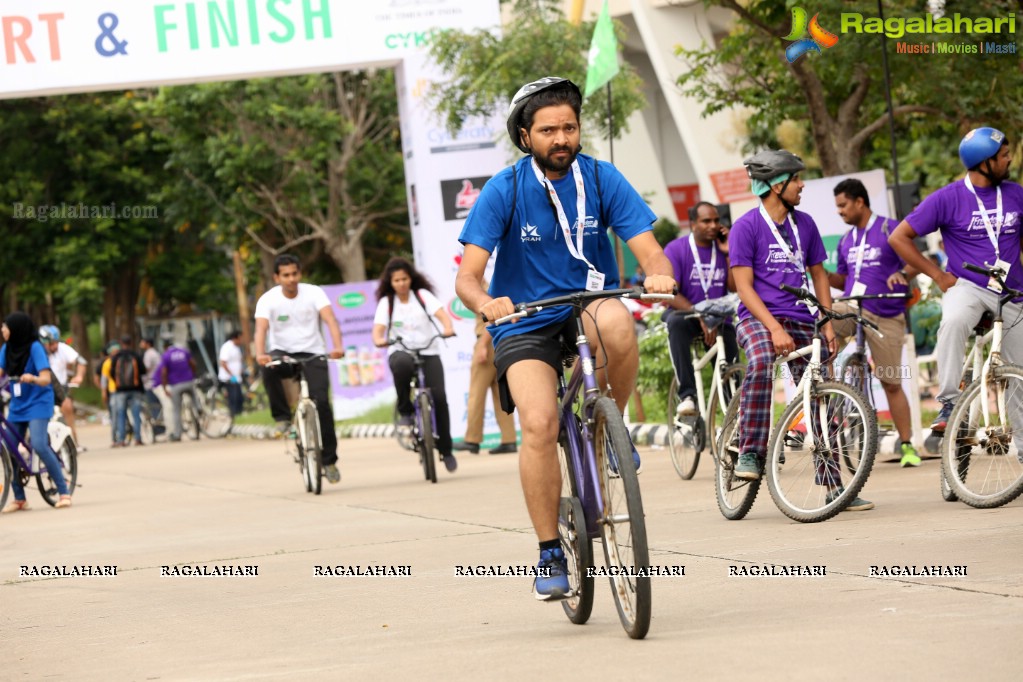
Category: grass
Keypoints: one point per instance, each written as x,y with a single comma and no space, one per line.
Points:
382,414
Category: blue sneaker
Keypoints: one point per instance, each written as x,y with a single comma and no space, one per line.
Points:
612,465
554,585
941,421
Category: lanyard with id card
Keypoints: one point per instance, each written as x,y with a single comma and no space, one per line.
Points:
992,233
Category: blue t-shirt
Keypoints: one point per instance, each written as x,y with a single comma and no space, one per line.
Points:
953,210
533,261
34,402
879,262
752,244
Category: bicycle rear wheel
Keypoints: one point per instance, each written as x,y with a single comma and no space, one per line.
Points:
623,527
310,448
67,454
855,372
575,540
804,455
685,437
425,427
735,495
189,416
216,419
731,385
146,431
984,464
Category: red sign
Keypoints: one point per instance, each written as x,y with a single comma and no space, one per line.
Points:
731,185
684,197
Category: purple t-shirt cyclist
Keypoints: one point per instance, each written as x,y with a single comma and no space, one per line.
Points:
879,262
688,276
752,244
953,210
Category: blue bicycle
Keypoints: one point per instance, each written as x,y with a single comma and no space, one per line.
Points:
601,496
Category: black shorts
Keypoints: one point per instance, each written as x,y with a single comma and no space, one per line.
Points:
59,392
553,344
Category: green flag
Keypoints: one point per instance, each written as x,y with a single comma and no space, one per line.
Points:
603,59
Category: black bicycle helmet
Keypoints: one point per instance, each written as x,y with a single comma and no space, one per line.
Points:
518,103
771,163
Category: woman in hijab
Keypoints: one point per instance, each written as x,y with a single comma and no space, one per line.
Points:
23,357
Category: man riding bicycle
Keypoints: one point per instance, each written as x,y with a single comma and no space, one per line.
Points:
979,220
548,215
290,314
62,359
772,245
700,262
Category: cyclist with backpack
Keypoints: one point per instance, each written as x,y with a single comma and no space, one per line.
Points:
128,370
406,304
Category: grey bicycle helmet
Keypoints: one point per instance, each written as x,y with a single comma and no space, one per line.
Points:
518,103
771,163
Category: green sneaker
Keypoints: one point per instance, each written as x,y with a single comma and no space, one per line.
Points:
910,458
748,467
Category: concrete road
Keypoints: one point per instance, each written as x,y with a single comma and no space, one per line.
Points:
240,503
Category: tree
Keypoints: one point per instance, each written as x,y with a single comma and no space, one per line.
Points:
839,93
290,163
484,70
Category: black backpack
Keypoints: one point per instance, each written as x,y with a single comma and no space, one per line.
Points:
128,370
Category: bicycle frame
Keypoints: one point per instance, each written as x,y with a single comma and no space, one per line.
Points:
715,354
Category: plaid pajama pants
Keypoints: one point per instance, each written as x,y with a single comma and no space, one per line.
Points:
755,401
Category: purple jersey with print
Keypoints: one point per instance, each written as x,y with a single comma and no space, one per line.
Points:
953,210
688,276
751,244
879,262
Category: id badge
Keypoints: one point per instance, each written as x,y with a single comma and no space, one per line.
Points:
594,281
17,390
1002,265
858,289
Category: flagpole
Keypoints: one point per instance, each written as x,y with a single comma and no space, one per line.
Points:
619,250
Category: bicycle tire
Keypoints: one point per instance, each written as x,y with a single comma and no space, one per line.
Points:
189,417
983,465
735,496
855,372
947,493
216,420
684,435
8,475
731,383
852,424
311,448
67,455
623,527
575,538
425,427
146,431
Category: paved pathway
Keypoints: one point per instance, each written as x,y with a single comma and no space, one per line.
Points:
240,503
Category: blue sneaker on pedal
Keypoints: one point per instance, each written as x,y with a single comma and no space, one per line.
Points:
554,585
612,465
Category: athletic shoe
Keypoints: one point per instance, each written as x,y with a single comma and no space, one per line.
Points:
281,428
910,458
504,449
612,464
404,420
450,463
857,504
466,446
555,584
748,467
332,473
941,421
63,502
15,506
686,408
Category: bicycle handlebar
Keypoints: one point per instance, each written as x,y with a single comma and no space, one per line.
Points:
997,275
577,299
805,295
397,340
288,360
870,297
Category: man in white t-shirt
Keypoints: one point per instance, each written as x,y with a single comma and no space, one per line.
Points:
232,364
291,314
62,358
151,360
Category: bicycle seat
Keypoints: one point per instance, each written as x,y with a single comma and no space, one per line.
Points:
985,323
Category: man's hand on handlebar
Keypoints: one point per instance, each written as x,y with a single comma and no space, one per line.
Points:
659,284
263,359
497,308
336,354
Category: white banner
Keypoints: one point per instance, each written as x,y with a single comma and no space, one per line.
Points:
61,46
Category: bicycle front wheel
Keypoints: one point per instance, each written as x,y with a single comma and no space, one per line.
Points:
575,539
731,385
425,427
984,464
312,451
622,526
735,495
146,431
685,437
805,453
67,455
216,419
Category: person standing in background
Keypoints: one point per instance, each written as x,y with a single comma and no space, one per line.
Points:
232,365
